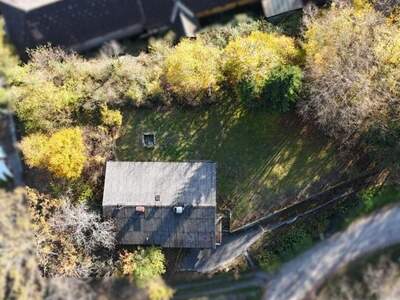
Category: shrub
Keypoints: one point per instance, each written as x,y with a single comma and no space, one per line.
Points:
191,71
9,59
250,60
143,264
241,26
158,290
62,153
111,118
283,87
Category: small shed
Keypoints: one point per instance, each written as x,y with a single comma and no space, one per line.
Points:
170,204
273,8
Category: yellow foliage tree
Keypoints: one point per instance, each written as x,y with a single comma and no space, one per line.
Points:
111,118
252,58
191,70
62,153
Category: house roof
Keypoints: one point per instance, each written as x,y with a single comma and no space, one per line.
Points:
194,228
138,184
27,5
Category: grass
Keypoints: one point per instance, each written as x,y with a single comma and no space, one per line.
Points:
263,157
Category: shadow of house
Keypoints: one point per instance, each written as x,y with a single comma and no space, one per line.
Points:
144,198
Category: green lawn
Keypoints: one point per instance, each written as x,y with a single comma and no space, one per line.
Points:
263,157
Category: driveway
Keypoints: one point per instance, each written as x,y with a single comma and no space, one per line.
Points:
301,277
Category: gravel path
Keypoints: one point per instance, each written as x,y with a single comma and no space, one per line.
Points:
301,277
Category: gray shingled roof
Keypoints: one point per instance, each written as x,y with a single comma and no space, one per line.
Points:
138,183
191,184
195,228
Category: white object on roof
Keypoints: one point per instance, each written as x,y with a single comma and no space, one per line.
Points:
178,210
28,5
276,7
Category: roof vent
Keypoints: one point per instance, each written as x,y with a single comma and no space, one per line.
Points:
178,210
157,197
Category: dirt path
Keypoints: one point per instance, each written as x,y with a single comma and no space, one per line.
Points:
301,277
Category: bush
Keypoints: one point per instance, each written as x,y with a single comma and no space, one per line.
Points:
111,118
9,58
282,87
143,264
191,71
249,61
241,26
62,153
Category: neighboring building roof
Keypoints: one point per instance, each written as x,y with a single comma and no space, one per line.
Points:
27,5
276,7
138,183
184,20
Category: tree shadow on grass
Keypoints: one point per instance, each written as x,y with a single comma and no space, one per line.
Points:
264,158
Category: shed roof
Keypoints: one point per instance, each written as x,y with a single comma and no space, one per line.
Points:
138,183
27,5
276,7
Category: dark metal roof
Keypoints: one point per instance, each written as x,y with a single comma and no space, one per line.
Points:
198,6
194,228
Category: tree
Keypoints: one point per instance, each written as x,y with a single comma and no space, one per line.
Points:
19,273
72,241
111,118
283,86
191,71
249,61
62,153
143,264
352,76
9,59
84,228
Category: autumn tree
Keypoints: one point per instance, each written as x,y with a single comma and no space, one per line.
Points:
352,77
72,240
143,264
20,277
191,71
62,153
249,61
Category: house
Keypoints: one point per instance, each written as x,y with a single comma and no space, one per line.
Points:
169,204
75,24
83,24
